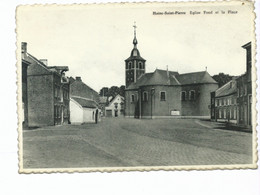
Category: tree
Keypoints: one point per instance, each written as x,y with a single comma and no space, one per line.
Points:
113,91
103,91
122,90
222,78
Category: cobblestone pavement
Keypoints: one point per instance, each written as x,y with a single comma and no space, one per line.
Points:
132,142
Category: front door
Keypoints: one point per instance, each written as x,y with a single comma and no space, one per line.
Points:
116,113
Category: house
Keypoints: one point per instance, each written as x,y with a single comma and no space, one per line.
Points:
224,103
244,94
83,110
163,93
84,103
115,107
47,92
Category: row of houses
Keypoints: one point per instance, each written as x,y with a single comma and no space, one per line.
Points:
49,97
233,101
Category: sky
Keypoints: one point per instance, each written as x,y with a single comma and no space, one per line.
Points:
94,40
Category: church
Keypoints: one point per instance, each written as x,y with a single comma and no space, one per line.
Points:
164,93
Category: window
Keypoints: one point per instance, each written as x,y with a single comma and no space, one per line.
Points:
225,113
129,65
220,114
132,98
183,95
245,90
217,102
163,96
145,96
140,65
235,113
192,95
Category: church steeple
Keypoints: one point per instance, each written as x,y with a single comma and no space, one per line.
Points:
135,40
135,64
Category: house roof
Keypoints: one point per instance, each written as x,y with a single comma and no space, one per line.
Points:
84,102
164,77
113,99
79,88
227,89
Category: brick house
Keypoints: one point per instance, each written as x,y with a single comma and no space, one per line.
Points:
47,92
244,94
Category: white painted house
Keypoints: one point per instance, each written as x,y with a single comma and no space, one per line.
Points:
115,107
83,110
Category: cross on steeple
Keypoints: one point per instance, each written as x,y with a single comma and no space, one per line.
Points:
135,28
135,40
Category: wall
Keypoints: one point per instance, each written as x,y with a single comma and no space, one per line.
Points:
40,100
204,98
76,113
130,106
191,107
89,115
164,108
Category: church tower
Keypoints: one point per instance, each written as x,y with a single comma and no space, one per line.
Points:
135,64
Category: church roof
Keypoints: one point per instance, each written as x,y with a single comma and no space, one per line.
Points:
195,78
84,102
164,77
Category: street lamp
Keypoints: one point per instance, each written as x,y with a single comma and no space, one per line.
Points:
152,93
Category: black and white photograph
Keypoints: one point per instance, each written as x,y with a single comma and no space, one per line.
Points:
128,87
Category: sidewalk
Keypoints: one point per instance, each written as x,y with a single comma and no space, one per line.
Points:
224,126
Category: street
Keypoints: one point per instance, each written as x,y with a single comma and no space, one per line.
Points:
122,142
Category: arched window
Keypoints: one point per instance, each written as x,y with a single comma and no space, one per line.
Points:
145,96
183,95
140,65
192,95
129,65
132,98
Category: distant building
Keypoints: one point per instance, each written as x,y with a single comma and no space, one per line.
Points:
84,103
115,107
47,92
103,102
163,93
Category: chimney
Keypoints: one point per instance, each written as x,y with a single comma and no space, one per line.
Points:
24,49
44,61
78,79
